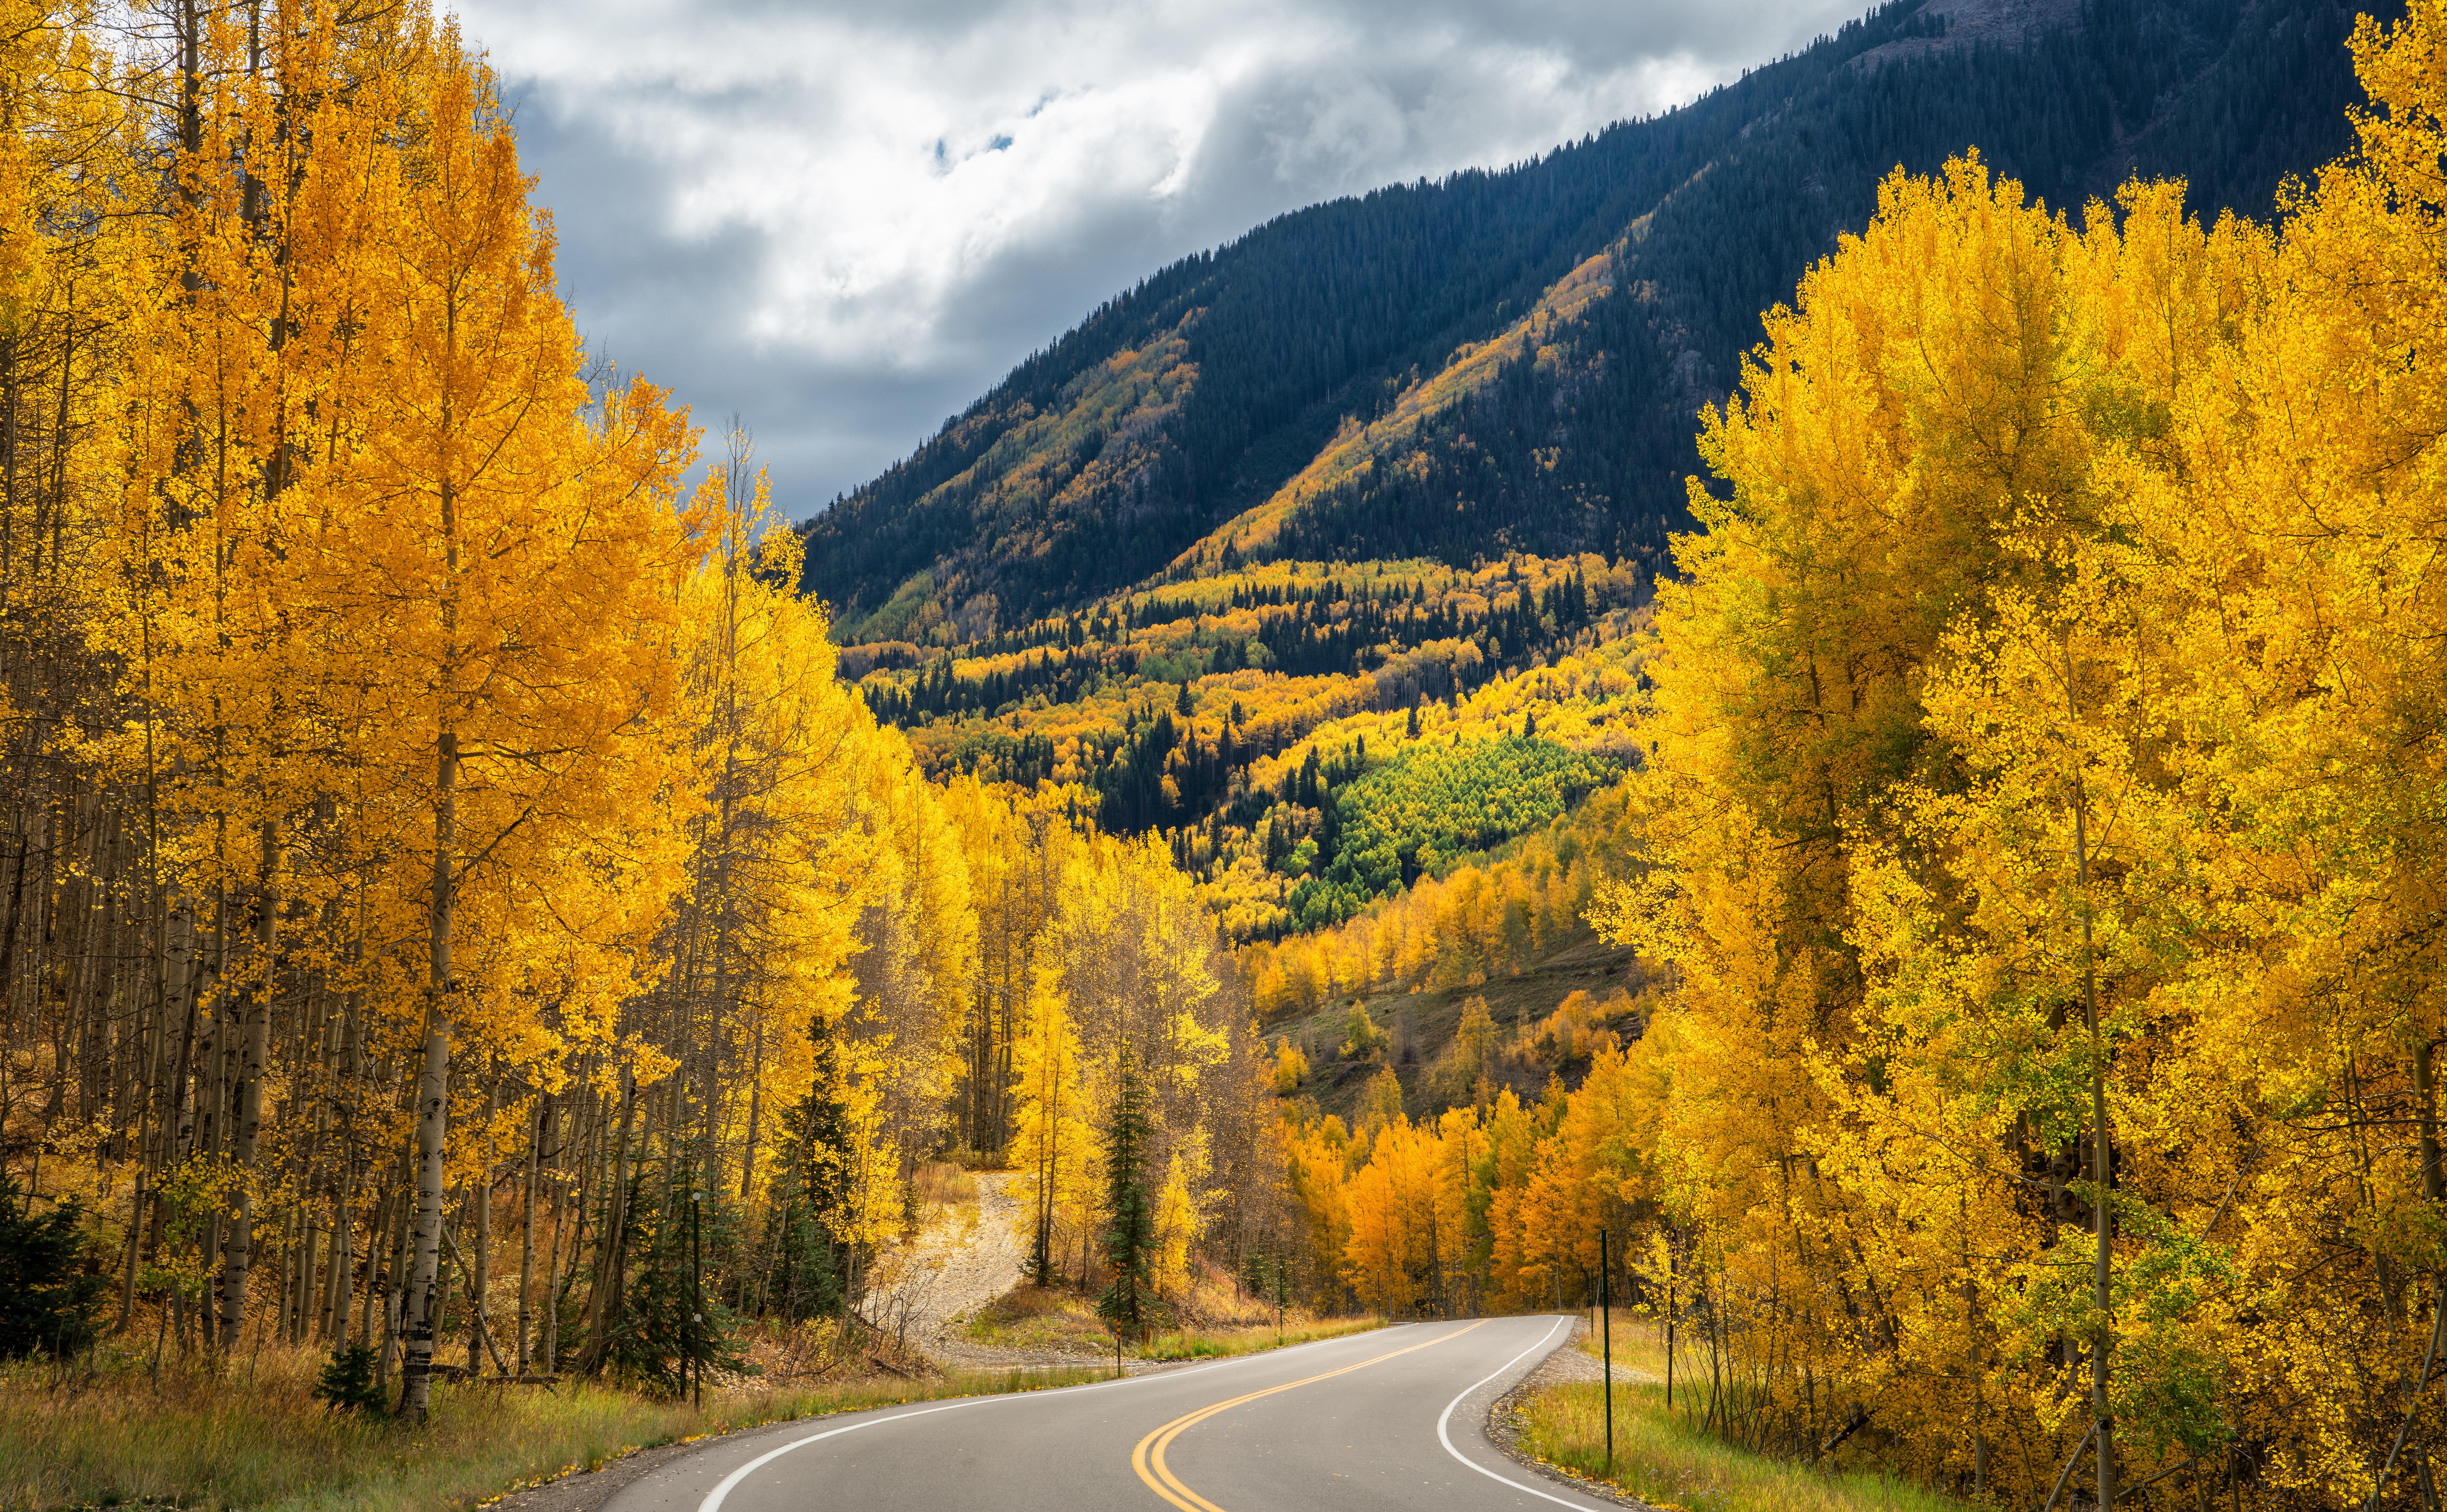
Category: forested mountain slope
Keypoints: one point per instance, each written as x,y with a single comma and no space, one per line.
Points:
1525,350
1261,717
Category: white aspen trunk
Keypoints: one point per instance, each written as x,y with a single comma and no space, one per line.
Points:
526,1229
548,1336
568,1222
2102,1296
330,1302
432,1103
332,1320
755,1115
603,1298
302,1290
211,1098
480,1265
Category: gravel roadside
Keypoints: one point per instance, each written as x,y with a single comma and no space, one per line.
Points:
1567,1365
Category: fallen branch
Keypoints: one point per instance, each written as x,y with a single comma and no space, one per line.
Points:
2067,1474
2415,1389
1860,1420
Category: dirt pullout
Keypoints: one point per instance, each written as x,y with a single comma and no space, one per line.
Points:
964,1257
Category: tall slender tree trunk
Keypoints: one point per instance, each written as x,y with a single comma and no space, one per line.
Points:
526,1227
254,1053
343,1281
756,1114
548,1336
212,1097
603,1297
339,1287
424,1299
2102,1291
480,1265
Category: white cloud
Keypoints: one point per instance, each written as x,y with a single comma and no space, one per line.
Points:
843,221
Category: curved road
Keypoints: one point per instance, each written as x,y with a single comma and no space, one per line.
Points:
1392,1419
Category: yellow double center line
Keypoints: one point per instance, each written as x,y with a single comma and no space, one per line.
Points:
1147,1459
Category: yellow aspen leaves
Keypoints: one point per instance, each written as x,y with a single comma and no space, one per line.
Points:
454,802
2040,845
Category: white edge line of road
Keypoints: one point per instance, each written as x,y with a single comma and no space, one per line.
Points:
714,1498
1444,1426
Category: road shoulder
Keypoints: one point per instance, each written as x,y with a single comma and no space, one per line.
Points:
1567,1365
577,1490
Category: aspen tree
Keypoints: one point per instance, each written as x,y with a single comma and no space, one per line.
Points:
1050,1127
520,563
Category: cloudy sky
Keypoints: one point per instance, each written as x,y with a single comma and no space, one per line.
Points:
844,219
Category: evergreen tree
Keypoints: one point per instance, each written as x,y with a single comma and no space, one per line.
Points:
1130,1231
47,1303
349,1382
671,1324
807,1269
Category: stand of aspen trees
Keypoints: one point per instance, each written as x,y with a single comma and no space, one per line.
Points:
2043,840
433,841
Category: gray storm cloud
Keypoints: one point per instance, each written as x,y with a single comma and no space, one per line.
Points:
842,222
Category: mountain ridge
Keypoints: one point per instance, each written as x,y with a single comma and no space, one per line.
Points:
1228,382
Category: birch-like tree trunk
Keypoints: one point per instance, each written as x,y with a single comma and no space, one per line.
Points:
526,1228
254,1050
480,1265
422,1300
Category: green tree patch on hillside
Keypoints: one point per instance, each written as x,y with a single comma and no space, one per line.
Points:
1432,805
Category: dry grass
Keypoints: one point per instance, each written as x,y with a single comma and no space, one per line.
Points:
1041,1319
941,1183
1032,1317
253,1438
1192,1344
1217,1302
1665,1460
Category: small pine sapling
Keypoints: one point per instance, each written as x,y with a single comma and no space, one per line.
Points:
349,1382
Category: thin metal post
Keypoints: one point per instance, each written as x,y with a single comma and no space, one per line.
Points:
1669,1320
696,1294
1605,1325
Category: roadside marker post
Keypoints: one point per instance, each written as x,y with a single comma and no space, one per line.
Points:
1605,1325
1277,1262
697,1299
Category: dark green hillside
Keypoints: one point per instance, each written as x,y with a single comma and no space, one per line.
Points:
1201,390
1592,447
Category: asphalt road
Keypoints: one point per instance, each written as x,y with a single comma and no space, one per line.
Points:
1390,1419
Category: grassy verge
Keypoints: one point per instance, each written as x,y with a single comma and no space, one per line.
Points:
1042,1319
254,1439
1031,1317
1665,1460
1201,1343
